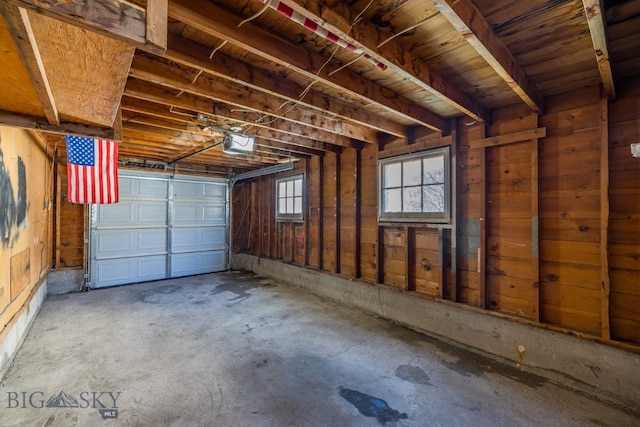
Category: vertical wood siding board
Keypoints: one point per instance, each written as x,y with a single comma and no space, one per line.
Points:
604,213
358,225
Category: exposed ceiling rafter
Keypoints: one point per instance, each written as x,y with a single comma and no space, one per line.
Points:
597,26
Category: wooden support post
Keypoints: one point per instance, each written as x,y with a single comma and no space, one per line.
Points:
357,257
338,250
482,252
306,208
454,209
58,242
380,255
604,212
321,213
441,261
409,249
535,228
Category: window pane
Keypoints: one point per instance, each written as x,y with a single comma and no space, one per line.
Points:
297,205
282,189
433,198
282,205
297,187
411,199
289,205
392,175
434,170
411,173
289,188
392,200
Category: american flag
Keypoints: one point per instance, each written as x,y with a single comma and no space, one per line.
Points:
92,170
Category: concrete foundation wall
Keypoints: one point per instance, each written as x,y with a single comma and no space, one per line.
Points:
13,340
600,370
65,281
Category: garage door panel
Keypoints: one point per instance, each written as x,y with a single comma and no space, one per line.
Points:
121,271
129,242
142,187
197,213
191,263
192,190
198,238
132,213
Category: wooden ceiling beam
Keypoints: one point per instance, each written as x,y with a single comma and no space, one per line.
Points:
64,128
148,113
244,98
18,23
597,26
140,26
150,92
218,22
470,22
192,54
398,59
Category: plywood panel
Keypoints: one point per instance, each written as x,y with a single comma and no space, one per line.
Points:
18,94
87,71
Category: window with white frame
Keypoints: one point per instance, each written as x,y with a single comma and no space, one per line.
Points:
289,197
415,187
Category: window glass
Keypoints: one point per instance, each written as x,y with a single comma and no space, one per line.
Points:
393,200
411,200
411,173
393,175
433,170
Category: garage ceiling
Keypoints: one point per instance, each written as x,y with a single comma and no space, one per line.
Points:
401,70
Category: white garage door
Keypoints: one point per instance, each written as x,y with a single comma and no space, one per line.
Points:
163,227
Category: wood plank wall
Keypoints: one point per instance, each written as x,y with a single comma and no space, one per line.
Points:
69,231
546,229
26,192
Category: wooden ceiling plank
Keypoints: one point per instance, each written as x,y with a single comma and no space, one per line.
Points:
150,92
241,97
19,25
392,54
214,20
596,19
189,53
119,19
470,22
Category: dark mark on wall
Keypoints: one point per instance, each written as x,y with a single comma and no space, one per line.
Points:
12,215
370,406
21,203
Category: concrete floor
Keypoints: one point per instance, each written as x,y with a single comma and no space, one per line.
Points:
233,349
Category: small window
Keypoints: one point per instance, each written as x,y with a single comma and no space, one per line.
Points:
415,187
289,198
